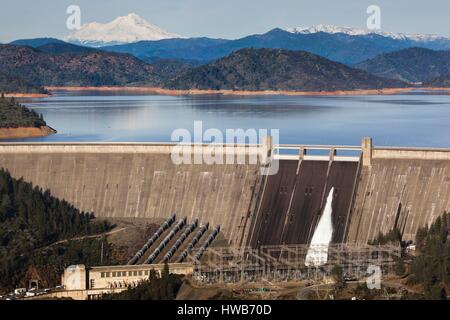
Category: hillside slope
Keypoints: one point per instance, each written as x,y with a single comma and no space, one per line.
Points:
36,42
9,84
440,82
411,65
14,115
273,69
85,68
61,48
31,219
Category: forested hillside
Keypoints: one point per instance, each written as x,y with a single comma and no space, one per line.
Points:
10,84
275,69
431,266
411,65
32,219
69,67
14,115
443,82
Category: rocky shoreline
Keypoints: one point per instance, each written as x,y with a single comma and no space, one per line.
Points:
26,132
26,95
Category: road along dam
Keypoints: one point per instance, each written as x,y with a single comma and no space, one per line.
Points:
375,189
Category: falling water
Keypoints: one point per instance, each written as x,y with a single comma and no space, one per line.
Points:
318,250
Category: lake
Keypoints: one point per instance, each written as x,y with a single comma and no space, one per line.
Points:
398,120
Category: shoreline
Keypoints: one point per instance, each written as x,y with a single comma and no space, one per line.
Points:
27,95
26,132
174,92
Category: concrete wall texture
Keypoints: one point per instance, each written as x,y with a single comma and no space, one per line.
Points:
392,188
139,184
399,193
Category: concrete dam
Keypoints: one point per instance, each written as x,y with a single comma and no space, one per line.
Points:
375,189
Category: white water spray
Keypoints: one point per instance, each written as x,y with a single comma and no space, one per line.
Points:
318,250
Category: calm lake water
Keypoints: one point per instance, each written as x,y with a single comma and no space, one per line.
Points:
400,120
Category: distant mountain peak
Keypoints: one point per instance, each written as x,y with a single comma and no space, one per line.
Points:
326,28
125,29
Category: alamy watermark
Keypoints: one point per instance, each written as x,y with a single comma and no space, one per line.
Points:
235,146
374,19
73,21
373,281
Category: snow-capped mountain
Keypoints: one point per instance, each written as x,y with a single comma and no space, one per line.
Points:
362,32
126,29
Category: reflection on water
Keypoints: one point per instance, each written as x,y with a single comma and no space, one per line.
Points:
406,120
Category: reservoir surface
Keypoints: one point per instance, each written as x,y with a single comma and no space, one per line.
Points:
397,120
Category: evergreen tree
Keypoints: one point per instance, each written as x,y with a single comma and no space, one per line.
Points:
421,238
400,268
338,276
30,220
432,264
164,283
13,115
154,285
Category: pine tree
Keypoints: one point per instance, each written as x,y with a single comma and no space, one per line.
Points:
338,275
444,227
421,238
400,267
36,219
154,285
164,282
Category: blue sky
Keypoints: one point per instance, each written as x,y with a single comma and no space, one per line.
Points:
227,19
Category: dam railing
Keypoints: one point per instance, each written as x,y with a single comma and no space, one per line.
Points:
317,152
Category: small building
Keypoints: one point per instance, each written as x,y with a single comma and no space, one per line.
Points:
81,283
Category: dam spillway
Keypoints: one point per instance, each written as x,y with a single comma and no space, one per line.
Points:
293,201
317,254
376,189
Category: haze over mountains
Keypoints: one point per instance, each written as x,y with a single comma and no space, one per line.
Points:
133,34
340,47
299,59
